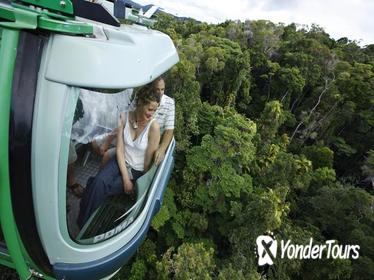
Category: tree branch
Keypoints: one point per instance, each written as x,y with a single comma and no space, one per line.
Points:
327,85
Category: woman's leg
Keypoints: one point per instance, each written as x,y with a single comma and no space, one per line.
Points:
136,174
106,183
108,155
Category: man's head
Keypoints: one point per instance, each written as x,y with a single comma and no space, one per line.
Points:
159,86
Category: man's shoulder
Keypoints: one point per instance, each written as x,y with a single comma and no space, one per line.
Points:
168,100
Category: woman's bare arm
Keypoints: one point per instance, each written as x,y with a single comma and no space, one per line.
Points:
153,141
120,153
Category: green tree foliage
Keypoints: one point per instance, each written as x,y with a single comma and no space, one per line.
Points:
192,261
274,130
350,220
185,91
320,156
266,36
216,173
368,167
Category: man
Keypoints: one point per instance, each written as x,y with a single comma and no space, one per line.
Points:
164,115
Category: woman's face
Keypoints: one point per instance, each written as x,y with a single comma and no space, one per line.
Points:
147,110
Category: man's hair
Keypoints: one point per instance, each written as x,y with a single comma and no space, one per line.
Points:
147,95
160,78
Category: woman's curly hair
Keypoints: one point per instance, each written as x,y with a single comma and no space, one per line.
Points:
147,95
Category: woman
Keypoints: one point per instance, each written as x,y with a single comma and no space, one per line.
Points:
136,144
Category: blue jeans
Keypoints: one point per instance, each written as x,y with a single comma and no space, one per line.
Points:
108,182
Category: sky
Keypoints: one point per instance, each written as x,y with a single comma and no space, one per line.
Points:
353,19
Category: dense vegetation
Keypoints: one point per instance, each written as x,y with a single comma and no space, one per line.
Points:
275,131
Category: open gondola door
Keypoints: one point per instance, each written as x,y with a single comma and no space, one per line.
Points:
59,63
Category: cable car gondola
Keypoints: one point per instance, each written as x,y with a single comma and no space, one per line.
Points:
54,56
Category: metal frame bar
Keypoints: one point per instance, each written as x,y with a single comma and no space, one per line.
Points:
8,53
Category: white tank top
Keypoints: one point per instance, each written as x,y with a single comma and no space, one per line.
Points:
135,149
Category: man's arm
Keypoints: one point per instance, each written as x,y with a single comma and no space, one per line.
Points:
168,132
108,141
165,141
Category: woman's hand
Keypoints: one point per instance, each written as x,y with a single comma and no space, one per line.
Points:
128,187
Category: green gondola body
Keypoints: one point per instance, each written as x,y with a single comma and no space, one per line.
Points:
53,58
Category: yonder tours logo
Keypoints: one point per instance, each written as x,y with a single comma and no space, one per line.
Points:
267,248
